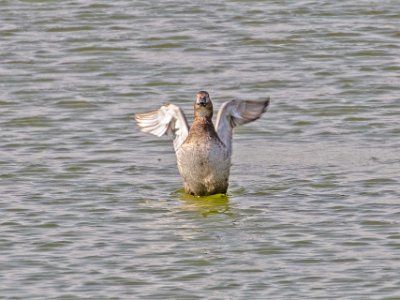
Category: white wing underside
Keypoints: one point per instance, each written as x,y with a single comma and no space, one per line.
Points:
237,112
167,120
170,119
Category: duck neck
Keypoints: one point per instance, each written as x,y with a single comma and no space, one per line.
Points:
203,125
205,122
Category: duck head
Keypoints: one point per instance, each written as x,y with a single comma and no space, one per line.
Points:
203,106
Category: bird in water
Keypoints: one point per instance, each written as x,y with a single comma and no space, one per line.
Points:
203,151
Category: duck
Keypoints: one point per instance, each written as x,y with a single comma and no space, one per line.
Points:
203,151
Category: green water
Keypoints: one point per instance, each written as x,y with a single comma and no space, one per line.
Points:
91,208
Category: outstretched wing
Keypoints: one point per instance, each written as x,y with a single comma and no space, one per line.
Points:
168,119
237,112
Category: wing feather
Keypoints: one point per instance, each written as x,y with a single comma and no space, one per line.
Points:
237,112
169,119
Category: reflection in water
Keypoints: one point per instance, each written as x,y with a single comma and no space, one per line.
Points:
206,205
313,206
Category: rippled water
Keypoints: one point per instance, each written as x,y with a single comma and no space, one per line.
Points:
93,209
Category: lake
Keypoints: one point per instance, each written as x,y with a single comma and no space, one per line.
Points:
92,208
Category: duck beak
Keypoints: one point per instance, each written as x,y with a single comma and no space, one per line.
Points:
203,101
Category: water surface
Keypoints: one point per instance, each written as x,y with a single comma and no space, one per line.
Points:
93,209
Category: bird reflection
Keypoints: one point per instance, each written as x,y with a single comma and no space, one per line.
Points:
205,205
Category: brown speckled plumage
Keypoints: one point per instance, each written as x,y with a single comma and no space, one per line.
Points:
203,152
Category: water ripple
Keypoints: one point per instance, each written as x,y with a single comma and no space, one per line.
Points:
92,208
